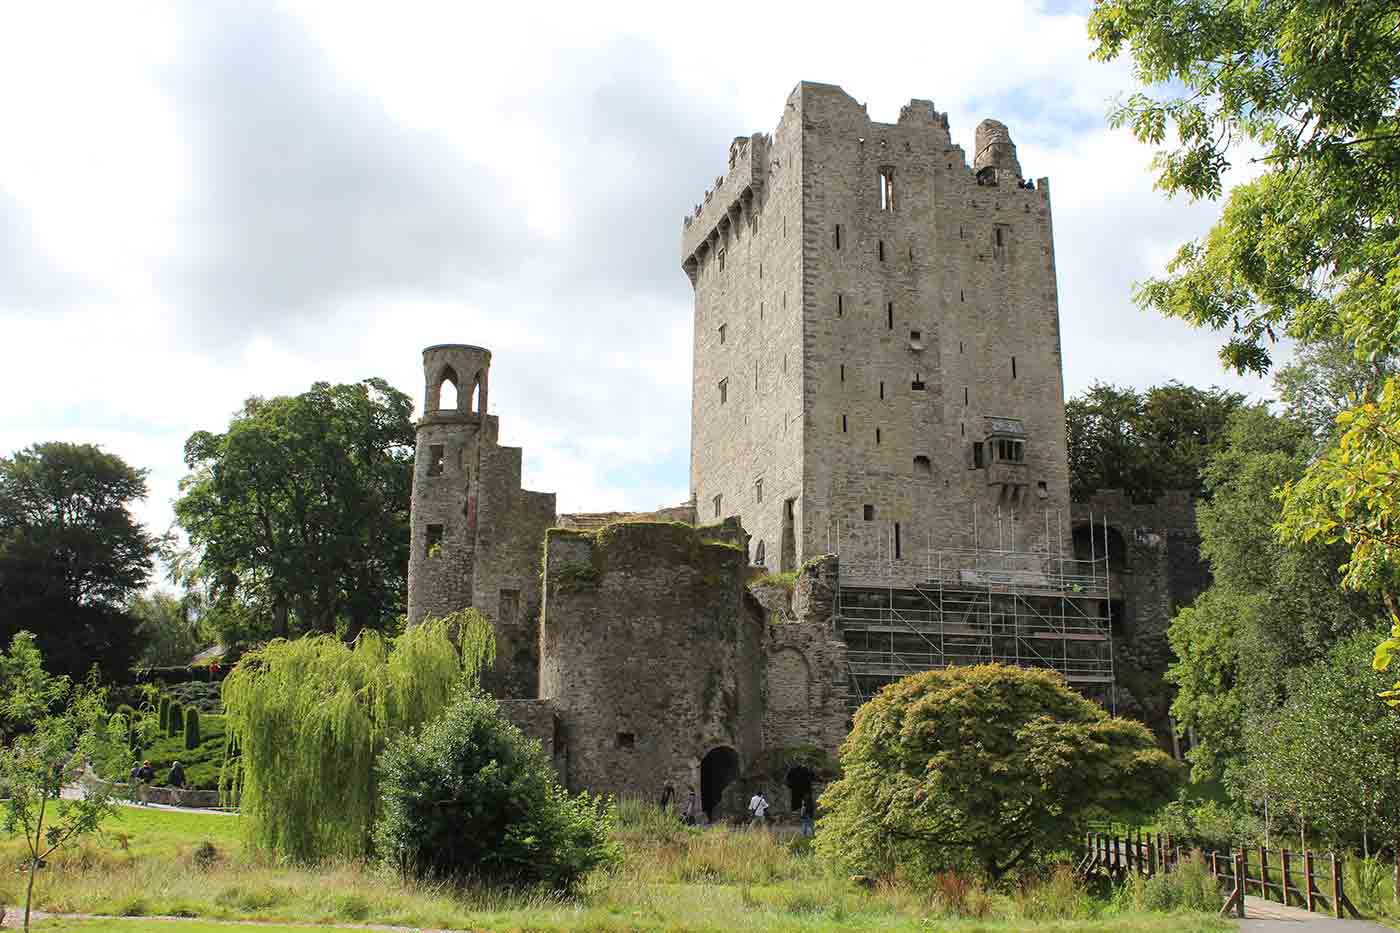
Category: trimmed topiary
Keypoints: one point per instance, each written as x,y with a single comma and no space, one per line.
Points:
469,796
175,723
192,728
164,713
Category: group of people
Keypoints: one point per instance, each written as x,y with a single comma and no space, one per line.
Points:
144,775
758,809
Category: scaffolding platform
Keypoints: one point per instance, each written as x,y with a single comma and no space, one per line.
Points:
943,608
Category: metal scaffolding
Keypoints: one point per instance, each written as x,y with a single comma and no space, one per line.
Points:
902,613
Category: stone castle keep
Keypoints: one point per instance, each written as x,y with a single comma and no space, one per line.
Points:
877,408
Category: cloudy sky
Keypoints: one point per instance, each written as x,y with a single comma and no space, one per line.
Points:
204,201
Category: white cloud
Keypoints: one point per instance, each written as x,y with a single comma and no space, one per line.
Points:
205,201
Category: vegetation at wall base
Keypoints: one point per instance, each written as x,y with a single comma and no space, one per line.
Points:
468,796
982,769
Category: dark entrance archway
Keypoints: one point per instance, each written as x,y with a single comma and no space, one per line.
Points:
799,782
718,769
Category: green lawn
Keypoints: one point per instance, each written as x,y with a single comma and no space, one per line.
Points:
672,879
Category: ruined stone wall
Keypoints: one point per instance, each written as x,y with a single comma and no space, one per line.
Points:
537,719
650,653
901,327
1155,569
806,697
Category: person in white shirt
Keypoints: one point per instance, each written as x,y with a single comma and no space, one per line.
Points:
758,807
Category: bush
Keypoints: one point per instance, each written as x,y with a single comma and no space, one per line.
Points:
984,768
175,721
1188,886
1209,824
164,714
1059,897
192,729
469,796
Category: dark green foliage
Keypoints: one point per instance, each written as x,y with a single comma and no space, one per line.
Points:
191,728
1144,442
164,713
71,554
202,764
984,768
469,796
1272,607
175,721
300,512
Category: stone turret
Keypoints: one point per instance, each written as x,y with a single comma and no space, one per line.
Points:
996,161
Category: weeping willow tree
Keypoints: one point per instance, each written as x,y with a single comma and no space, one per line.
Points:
305,720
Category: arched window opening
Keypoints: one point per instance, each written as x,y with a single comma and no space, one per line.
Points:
447,389
475,401
758,555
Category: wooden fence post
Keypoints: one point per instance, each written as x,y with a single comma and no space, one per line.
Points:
1283,853
1336,890
1152,857
1243,853
1235,902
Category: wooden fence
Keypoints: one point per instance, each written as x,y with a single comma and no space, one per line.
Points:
1241,871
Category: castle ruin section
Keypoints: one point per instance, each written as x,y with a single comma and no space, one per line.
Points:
476,533
877,352
1156,568
652,657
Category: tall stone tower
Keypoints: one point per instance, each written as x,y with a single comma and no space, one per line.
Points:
476,533
877,353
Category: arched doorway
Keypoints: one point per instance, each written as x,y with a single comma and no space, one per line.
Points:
718,769
799,782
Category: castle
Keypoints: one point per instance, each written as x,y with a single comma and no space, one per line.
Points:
877,410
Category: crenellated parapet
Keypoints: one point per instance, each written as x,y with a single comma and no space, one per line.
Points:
728,204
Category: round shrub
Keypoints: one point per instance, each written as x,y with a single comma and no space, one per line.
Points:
984,768
175,723
192,728
469,796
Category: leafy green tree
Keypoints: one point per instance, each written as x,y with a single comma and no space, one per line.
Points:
1330,755
305,720
983,767
1325,379
1143,442
67,728
1309,247
169,632
469,796
1273,606
300,509
71,553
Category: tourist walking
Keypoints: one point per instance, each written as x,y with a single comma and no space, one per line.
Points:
140,777
691,810
808,813
176,778
667,793
758,808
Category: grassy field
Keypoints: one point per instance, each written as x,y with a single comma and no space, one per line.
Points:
153,863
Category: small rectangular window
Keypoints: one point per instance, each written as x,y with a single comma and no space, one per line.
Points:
721,334
882,389
843,424
760,270
918,383
435,458
719,504
869,513
896,541
837,237
508,606
964,396
998,235
877,437
889,314
880,250
758,490
1040,490
916,335
840,304
433,541
1013,367
626,740
724,390
978,457
722,254
843,372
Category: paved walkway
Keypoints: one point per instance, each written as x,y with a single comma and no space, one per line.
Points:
74,792
1271,915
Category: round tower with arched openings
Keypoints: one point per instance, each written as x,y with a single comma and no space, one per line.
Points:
446,469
